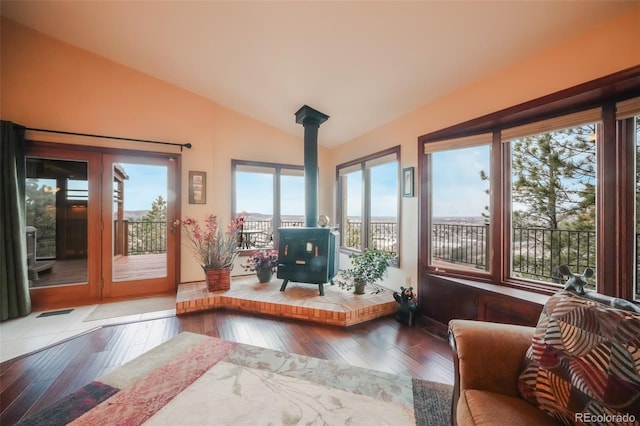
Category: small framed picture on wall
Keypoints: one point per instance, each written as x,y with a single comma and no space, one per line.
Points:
407,182
197,187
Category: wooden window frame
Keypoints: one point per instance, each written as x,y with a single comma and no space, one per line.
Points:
277,172
616,181
366,208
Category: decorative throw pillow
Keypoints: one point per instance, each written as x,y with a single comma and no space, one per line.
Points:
583,365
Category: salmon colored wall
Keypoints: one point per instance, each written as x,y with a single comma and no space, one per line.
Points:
605,49
48,84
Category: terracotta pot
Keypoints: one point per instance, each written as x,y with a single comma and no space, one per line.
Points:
264,274
218,279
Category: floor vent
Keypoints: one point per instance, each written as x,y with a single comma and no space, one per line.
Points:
52,313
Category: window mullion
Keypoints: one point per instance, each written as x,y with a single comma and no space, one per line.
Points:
497,207
366,187
627,212
366,208
276,220
608,264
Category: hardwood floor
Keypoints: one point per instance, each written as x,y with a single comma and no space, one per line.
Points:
30,383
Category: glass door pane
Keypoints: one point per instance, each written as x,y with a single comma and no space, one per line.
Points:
57,194
139,214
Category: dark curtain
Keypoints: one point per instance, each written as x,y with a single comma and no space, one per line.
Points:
14,285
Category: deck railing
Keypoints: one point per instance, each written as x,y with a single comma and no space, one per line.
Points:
466,244
266,225
383,236
536,252
144,237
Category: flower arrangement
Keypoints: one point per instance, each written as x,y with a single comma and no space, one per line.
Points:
262,259
212,247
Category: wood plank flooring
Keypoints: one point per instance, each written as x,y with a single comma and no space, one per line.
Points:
30,383
74,271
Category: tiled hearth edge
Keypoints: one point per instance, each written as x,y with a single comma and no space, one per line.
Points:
217,300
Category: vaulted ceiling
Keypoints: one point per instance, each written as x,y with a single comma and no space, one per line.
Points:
364,63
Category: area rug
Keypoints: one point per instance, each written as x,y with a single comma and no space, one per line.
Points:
195,379
132,307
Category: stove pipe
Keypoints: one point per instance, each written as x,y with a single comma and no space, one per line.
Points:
311,120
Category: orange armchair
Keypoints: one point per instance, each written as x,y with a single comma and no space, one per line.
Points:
488,358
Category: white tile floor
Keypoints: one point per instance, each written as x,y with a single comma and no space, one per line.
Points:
24,335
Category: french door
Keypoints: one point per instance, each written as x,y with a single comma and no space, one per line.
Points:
98,224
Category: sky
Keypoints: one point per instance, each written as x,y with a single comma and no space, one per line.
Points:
144,185
255,190
255,193
457,187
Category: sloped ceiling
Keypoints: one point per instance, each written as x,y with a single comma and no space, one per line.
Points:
363,63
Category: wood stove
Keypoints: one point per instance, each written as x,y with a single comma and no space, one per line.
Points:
309,254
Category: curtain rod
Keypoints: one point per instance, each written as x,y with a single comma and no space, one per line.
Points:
181,145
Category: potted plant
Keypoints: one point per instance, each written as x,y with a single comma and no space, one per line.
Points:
366,268
263,263
214,249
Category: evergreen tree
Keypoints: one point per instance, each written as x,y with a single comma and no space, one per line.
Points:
485,214
149,235
41,214
553,176
158,212
553,181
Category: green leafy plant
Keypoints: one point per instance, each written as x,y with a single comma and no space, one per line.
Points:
366,268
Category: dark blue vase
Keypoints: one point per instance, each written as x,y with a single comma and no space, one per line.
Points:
264,274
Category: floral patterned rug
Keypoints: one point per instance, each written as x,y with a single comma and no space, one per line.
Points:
195,379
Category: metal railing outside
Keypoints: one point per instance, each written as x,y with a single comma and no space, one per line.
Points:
536,252
383,236
351,236
467,244
146,237
266,225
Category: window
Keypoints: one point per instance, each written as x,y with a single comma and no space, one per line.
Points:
460,199
369,202
628,116
351,188
635,123
564,190
636,234
271,194
553,197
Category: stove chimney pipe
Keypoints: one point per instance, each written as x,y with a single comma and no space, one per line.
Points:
311,120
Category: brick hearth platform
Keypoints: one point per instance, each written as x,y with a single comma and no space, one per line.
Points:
299,301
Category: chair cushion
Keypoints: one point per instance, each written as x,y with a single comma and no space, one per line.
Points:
584,361
478,407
